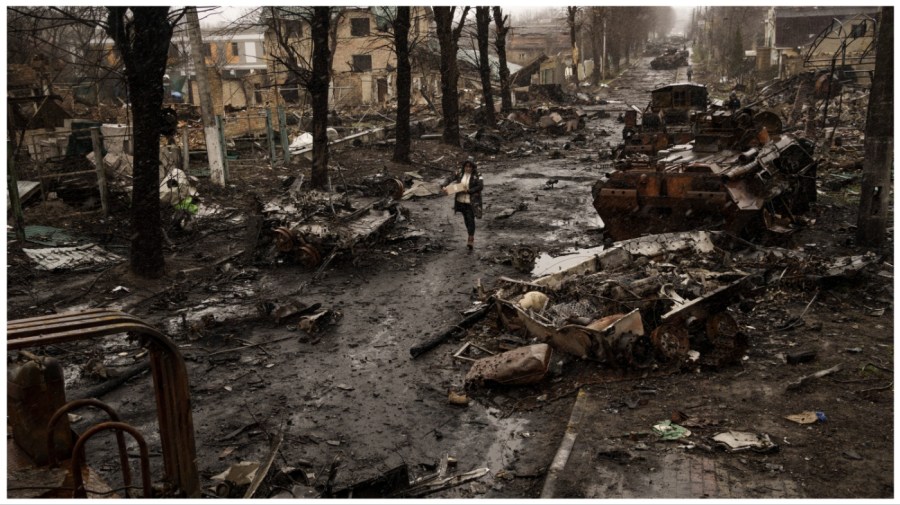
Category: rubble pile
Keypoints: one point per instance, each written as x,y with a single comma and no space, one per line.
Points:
658,301
312,227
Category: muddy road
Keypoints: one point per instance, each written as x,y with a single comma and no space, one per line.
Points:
351,395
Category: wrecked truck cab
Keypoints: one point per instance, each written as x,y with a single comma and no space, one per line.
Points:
745,193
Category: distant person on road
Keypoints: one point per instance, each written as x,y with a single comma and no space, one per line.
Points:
734,102
466,184
690,73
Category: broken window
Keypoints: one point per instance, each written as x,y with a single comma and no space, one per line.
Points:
235,51
362,63
207,50
359,27
859,30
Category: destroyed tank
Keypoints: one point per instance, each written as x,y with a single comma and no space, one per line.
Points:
705,186
666,120
671,60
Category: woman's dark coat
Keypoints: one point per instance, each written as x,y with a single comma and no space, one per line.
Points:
475,187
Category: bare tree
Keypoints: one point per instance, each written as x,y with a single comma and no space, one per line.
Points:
448,38
308,68
574,26
501,28
318,90
598,20
63,39
483,24
875,191
404,82
142,36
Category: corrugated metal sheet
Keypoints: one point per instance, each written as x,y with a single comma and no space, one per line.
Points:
83,257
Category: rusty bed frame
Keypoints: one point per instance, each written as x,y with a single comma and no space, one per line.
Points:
170,384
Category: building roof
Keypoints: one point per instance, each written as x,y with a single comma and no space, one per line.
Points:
799,26
470,56
834,12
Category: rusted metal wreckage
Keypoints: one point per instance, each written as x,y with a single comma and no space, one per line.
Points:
712,166
622,310
42,459
314,231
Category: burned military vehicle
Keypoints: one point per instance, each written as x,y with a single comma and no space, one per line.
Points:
666,121
671,59
735,177
310,228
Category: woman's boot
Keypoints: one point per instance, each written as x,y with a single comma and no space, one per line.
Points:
471,243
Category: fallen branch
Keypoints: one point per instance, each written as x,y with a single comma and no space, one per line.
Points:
436,340
818,375
104,388
249,346
882,388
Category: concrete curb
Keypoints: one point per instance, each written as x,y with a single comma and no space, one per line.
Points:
565,448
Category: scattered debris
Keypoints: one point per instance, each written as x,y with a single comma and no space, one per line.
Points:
525,365
667,430
457,399
808,417
818,375
738,441
436,340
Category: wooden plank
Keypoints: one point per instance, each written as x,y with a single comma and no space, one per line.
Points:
27,189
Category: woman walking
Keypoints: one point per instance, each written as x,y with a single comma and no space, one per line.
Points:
466,184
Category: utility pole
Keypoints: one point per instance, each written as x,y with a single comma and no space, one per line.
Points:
213,145
876,182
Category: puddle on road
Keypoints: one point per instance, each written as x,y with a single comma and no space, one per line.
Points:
546,264
511,434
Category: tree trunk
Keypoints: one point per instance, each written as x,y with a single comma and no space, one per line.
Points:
596,44
876,183
318,90
448,38
144,46
404,82
502,28
573,36
483,23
